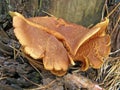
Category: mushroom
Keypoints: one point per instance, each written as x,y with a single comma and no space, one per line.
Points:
71,35
40,44
93,51
60,43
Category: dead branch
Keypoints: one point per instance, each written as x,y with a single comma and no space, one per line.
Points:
82,82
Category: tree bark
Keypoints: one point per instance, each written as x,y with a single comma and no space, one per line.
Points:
84,12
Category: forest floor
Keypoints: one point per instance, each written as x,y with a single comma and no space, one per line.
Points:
16,73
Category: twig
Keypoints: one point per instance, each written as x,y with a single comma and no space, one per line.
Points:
36,69
115,26
1,78
33,63
3,32
48,13
115,52
113,10
43,87
109,72
29,59
104,8
30,81
82,82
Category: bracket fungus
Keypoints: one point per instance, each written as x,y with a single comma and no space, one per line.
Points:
59,43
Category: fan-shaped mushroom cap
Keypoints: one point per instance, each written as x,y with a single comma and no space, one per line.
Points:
39,44
32,39
95,49
56,58
73,36
59,42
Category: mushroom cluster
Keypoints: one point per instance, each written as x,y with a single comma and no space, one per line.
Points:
59,43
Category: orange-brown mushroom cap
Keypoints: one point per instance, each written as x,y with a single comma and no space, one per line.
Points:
56,57
95,49
59,42
32,39
39,44
72,35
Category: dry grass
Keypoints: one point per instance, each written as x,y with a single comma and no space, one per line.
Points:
109,74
